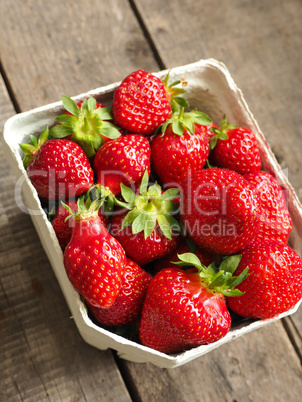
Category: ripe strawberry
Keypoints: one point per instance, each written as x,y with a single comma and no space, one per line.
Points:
123,160
182,147
93,259
129,302
142,102
235,148
218,210
187,309
275,220
63,227
275,281
86,123
146,230
58,169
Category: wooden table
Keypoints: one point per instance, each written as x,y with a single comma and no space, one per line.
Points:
67,47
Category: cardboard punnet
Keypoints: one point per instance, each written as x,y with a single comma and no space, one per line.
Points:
211,90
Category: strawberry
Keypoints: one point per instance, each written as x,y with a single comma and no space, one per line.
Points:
274,284
186,309
129,302
235,148
58,169
142,102
63,227
275,220
182,147
93,259
147,230
219,210
88,123
123,160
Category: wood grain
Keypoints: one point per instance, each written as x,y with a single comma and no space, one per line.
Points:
259,41
67,47
251,368
51,48
260,45
48,49
42,354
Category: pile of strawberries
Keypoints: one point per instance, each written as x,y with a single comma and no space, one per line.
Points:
166,220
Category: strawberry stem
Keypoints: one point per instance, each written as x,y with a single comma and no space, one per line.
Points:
150,207
218,279
30,150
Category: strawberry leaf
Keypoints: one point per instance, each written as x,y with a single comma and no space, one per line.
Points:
219,280
139,223
240,278
144,183
103,113
129,218
200,118
66,119
182,102
33,140
189,124
109,130
70,105
91,104
189,259
127,194
177,127
164,225
170,194
230,264
149,225
61,131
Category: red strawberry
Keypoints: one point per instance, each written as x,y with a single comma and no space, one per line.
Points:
148,230
129,302
218,210
235,148
123,160
141,103
93,259
182,148
138,247
186,309
62,227
58,169
272,212
275,281
86,123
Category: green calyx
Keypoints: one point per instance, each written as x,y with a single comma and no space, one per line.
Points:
220,133
150,207
181,120
103,193
87,126
176,100
30,150
86,208
217,279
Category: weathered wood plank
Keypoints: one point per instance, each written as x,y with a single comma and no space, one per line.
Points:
251,368
54,48
42,354
46,50
260,43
